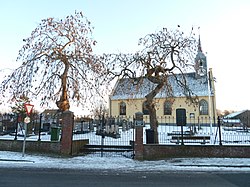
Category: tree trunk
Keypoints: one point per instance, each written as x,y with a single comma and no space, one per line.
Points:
153,121
152,111
63,103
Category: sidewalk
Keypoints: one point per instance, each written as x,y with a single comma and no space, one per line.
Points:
15,160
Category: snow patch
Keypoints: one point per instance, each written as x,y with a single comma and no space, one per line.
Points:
15,159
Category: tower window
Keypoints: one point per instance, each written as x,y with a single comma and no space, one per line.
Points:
200,61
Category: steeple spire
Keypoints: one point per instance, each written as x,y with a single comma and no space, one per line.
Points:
200,61
199,44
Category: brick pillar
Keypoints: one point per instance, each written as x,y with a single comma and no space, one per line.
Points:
139,143
67,132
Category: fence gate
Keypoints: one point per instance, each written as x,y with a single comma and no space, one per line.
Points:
107,137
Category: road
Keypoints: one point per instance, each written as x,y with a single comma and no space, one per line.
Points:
30,177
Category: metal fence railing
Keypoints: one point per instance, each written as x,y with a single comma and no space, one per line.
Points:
116,130
200,130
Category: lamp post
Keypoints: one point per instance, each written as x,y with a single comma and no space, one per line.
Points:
28,107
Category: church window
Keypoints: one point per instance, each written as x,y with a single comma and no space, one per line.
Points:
145,109
122,108
203,106
201,64
167,108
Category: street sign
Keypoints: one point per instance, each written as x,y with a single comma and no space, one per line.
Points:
28,108
27,119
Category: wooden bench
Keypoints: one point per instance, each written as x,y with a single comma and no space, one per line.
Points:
178,133
106,148
190,139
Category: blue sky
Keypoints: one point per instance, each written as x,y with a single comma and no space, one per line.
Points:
224,28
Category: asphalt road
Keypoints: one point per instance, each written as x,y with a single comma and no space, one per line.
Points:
18,177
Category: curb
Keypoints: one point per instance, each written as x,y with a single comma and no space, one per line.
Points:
219,166
12,160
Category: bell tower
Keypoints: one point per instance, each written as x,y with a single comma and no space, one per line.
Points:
200,62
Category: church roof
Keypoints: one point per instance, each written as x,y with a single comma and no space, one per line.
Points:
128,89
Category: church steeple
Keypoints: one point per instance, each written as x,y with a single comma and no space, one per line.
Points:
199,44
200,61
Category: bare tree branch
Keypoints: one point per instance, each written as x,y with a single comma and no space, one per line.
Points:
58,64
165,53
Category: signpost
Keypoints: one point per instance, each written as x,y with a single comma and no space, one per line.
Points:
28,107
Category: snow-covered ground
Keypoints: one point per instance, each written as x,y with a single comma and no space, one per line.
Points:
15,159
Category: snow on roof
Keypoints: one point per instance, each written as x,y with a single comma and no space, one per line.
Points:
129,89
234,114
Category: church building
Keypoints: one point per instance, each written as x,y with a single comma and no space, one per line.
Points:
128,98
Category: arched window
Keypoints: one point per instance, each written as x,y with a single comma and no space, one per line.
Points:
203,107
122,108
145,109
167,108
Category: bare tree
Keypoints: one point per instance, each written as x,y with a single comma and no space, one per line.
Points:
58,64
100,110
227,112
163,54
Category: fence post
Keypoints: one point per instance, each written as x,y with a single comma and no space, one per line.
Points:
219,131
138,145
67,132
